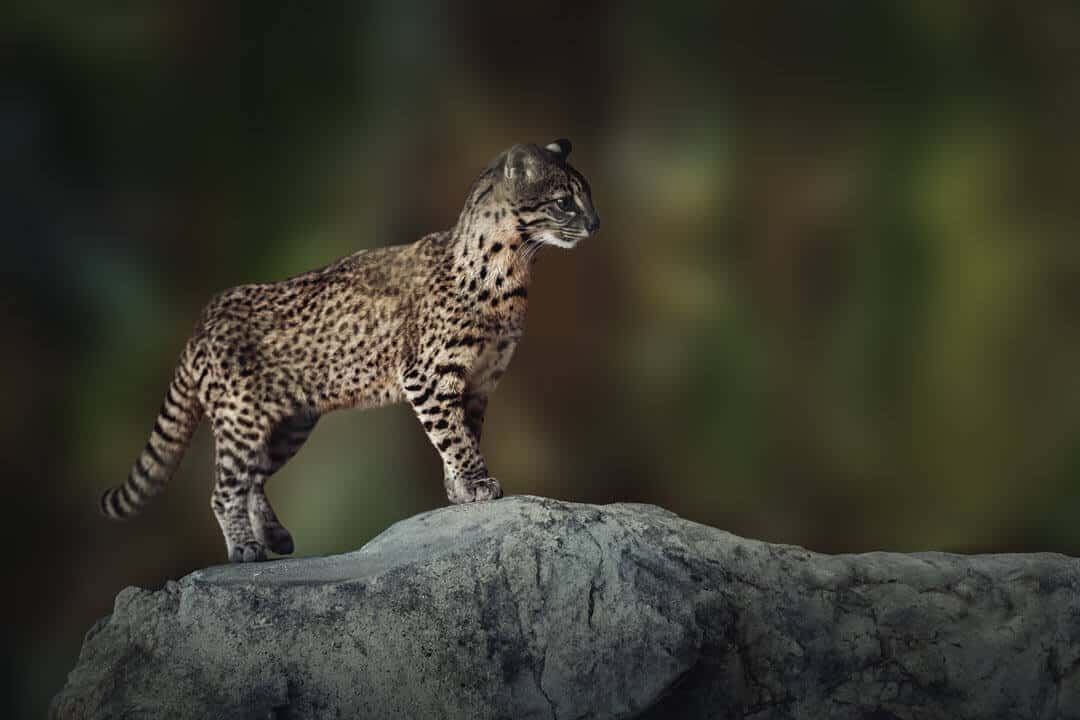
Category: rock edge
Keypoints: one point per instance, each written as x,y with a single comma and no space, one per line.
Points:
534,608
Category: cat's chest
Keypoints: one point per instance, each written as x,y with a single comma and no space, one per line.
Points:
492,361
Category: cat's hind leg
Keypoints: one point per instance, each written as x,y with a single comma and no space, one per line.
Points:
241,464
286,439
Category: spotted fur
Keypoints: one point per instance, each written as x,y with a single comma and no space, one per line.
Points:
433,324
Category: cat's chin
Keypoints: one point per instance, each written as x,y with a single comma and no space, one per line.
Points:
554,240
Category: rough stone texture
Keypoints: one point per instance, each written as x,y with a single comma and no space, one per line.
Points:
529,607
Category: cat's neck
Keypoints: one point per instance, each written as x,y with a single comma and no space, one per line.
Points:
488,247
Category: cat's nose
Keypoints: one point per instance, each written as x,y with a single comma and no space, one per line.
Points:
594,223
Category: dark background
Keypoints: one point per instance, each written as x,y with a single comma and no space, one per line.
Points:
835,300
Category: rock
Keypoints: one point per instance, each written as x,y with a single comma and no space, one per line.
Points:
532,608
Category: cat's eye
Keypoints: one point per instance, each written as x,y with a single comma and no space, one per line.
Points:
566,203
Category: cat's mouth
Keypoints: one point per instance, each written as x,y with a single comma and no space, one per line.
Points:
566,239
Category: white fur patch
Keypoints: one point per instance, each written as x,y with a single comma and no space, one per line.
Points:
550,238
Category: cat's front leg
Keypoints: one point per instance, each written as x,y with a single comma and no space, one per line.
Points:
440,402
475,404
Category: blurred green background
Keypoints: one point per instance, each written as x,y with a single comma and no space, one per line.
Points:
835,300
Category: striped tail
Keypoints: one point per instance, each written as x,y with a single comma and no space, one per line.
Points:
175,424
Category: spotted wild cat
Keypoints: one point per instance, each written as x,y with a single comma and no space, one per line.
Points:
433,323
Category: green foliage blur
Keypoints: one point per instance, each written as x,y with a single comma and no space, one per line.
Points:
835,301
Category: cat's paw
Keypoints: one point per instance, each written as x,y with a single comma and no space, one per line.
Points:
475,491
486,489
278,539
247,552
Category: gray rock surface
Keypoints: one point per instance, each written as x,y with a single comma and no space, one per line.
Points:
532,608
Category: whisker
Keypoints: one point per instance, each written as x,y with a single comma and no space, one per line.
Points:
519,254
527,251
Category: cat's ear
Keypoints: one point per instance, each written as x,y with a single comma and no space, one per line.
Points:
521,163
560,147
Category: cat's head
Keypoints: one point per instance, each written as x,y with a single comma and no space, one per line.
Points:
549,200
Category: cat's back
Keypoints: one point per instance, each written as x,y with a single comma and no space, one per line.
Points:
364,279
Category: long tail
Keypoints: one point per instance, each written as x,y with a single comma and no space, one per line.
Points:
175,424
